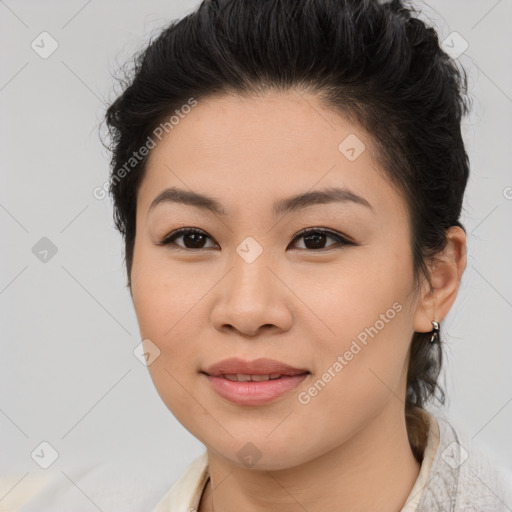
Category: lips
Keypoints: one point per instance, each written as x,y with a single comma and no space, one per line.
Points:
253,383
258,367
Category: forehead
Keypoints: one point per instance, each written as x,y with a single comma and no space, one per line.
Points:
273,145
281,120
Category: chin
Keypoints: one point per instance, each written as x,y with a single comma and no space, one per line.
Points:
261,453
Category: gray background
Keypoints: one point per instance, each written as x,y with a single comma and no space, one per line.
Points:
69,376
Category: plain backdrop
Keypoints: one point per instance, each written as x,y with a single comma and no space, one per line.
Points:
68,329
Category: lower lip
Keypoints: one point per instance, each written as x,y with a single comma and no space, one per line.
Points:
252,392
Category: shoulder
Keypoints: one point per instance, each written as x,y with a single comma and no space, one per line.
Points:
185,492
463,476
17,489
107,485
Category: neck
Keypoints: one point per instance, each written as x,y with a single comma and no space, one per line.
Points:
374,470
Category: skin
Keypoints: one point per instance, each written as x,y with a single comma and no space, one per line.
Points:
294,303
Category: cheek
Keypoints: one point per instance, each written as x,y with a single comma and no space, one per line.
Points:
349,295
166,306
366,307
171,317
357,375
164,294
169,298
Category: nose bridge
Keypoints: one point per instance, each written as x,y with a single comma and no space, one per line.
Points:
250,279
250,295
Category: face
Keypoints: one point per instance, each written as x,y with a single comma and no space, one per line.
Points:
336,302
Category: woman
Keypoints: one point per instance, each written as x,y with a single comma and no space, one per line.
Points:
288,178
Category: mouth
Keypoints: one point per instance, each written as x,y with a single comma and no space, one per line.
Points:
253,383
240,377
259,367
254,392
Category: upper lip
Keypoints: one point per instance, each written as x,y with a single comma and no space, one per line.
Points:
261,366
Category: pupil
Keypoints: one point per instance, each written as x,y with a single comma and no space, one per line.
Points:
319,238
194,245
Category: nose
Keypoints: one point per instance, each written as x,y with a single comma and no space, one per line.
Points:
251,298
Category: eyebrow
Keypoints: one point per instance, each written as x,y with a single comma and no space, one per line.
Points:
289,204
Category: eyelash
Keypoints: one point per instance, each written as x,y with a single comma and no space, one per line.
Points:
341,241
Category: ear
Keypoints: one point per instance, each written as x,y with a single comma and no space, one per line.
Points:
446,273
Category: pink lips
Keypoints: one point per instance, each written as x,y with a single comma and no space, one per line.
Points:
253,392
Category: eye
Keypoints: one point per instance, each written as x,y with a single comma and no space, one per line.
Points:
194,239
316,237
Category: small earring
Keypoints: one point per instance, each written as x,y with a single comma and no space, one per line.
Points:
435,332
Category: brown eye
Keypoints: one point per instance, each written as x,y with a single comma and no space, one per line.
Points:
315,239
192,238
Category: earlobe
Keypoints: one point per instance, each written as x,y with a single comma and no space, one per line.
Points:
446,272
